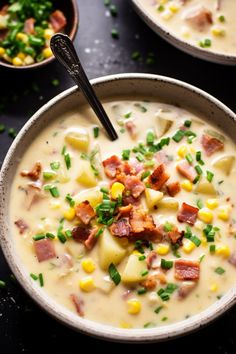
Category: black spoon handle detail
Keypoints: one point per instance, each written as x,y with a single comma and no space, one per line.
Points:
63,49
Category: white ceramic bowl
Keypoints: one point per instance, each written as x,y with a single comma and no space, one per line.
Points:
166,89
181,44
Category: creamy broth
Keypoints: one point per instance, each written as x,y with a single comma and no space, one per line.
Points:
209,24
42,212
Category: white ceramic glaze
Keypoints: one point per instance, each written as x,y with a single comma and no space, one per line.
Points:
165,89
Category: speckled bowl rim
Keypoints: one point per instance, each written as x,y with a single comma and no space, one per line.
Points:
59,312
214,57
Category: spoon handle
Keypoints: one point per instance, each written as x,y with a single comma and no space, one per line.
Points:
64,51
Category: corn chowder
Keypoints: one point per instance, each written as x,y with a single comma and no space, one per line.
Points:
133,233
208,24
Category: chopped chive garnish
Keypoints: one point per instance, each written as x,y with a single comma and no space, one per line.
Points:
41,281
206,43
158,309
12,133
220,182
113,10
122,130
34,276
55,165
148,324
196,179
50,235
149,163
212,248
141,291
219,270
209,233
199,204
164,319
48,175
107,2
38,237
144,273
195,240
114,274
166,264
198,155
168,227
2,284
189,158
175,250
126,154
210,176
63,151
165,293
150,138
141,258
70,200
114,33
2,128
128,115
161,8
178,136
54,192
139,157
55,82
188,123
96,132
136,55
61,237
201,258
104,190
145,174
67,161
221,18
99,232
198,169
68,233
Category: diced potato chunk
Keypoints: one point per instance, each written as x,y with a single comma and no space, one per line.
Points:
94,196
152,197
109,250
86,175
205,187
78,138
134,269
164,121
169,203
224,163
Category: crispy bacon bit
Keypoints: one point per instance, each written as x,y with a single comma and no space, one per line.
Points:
124,211
134,185
34,173
131,200
150,282
29,26
33,194
140,221
4,10
158,177
22,226
162,157
3,33
79,303
132,129
44,249
152,256
185,289
85,235
161,277
173,188
111,165
199,18
85,212
232,259
186,170
187,270
127,169
58,20
174,236
121,228
211,144
187,214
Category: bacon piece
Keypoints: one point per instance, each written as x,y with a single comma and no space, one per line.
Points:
34,173
185,289
131,200
44,249
29,26
186,170
140,221
3,34
111,165
124,211
3,10
232,259
174,236
152,256
79,303
58,20
85,235
211,144
121,228
132,129
187,214
187,270
22,226
199,18
173,188
134,185
127,169
158,177
85,212
150,282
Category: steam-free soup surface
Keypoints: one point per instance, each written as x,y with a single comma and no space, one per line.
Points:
139,232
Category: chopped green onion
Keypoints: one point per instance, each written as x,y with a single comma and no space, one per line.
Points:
200,204
68,233
198,169
188,123
99,232
139,157
34,276
63,151
210,176
114,274
149,163
12,133
128,115
104,190
38,237
50,235
144,273
41,281
168,227
55,82
150,138
141,291
158,309
141,258
195,240
48,175
113,10
67,161
70,200
107,2
221,18
196,179
145,174
166,264
2,128
189,158
54,192
201,258
161,8
198,155
114,33
164,319
55,165
178,136
212,248
136,55
2,284
219,270
96,132
126,154
205,43
122,130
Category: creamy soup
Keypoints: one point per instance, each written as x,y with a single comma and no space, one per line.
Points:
134,233
208,24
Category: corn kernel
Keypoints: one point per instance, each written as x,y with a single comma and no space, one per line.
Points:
48,33
162,249
137,253
224,213
188,246
55,204
187,185
162,2
117,190
174,8
2,51
223,251
22,37
21,55
125,325
212,203
69,214
88,265
17,61
182,151
214,287
134,306
47,53
205,215
218,31
87,284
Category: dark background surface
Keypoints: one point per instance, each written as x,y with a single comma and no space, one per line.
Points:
23,326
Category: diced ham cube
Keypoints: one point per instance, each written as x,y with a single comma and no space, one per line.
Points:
58,20
211,144
111,165
85,212
158,177
134,185
187,270
85,235
187,214
44,249
121,228
186,170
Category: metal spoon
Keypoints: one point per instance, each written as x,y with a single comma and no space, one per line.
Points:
64,50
